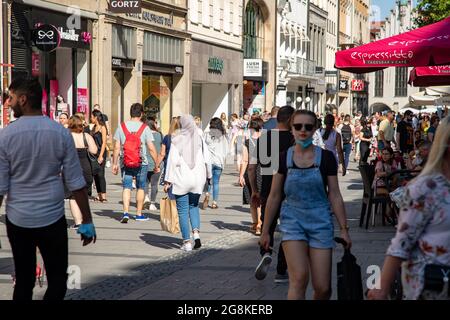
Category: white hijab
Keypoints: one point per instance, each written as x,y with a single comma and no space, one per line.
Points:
188,141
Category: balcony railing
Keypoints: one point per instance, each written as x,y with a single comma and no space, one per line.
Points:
306,67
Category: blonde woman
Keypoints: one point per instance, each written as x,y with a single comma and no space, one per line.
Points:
224,119
422,237
84,143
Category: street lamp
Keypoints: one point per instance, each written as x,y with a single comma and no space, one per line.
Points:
299,100
307,101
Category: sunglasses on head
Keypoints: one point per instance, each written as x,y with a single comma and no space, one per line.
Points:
299,126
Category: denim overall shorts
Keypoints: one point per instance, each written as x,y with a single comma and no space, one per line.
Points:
305,212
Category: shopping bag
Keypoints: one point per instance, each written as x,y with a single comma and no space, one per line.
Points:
349,281
169,216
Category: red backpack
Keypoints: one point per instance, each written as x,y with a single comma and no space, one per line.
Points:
132,147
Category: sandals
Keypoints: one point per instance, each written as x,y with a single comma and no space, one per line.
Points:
97,199
258,230
214,206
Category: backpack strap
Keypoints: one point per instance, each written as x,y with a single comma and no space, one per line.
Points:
141,130
125,129
289,158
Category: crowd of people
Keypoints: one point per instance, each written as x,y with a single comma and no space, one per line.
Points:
288,163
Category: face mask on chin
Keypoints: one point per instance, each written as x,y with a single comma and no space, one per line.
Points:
304,143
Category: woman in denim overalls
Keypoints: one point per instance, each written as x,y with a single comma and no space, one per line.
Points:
306,223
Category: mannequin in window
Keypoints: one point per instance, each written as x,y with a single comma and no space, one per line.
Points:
62,106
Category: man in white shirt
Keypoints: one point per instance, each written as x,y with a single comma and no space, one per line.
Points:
37,157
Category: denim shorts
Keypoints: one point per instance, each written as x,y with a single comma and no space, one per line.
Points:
139,173
315,228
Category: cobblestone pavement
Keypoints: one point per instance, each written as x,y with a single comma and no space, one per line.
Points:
139,261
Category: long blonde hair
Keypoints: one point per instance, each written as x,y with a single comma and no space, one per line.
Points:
435,162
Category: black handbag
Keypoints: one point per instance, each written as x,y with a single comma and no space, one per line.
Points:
349,280
436,278
95,166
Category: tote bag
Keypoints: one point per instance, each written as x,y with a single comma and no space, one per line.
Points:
169,216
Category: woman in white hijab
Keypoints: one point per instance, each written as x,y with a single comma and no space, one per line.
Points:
188,168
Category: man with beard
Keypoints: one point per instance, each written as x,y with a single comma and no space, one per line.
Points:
35,154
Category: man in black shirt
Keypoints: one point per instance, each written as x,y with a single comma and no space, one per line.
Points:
405,133
268,147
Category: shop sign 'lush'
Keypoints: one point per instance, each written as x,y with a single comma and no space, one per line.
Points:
215,65
46,37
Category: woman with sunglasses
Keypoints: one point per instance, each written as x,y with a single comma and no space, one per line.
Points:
307,176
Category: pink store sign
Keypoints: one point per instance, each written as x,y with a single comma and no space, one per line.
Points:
83,101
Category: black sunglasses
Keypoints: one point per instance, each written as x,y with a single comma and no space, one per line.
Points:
299,126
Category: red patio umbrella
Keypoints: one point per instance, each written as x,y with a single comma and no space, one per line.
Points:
426,46
430,76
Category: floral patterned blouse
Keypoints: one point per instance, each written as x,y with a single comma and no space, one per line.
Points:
423,234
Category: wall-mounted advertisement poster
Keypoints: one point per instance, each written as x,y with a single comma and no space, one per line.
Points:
83,102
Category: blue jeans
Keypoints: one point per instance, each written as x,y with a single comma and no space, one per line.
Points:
139,173
216,172
187,206
347,150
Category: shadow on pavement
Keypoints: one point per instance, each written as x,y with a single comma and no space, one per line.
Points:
229,226
163,242
108,213
6,265
238,208
355,186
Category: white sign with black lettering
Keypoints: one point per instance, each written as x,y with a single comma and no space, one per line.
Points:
253,68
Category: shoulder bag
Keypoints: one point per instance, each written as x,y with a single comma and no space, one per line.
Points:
95,166
436,282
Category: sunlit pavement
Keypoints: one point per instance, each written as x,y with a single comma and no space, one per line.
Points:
139,261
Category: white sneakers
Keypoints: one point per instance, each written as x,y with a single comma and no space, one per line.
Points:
153,207
187,246
146,201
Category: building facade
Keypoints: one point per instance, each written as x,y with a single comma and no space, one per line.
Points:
63,65
216,57
317,33
143,57
354,31
294,70
113,59
259,45
332,46
390,86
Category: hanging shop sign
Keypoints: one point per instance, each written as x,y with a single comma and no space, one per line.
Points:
357,85
343,85
215,65
125,6
46,37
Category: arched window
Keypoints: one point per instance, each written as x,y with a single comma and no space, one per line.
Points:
253,31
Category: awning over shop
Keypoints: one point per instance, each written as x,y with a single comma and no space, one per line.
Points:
426,46
430,76
431,96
